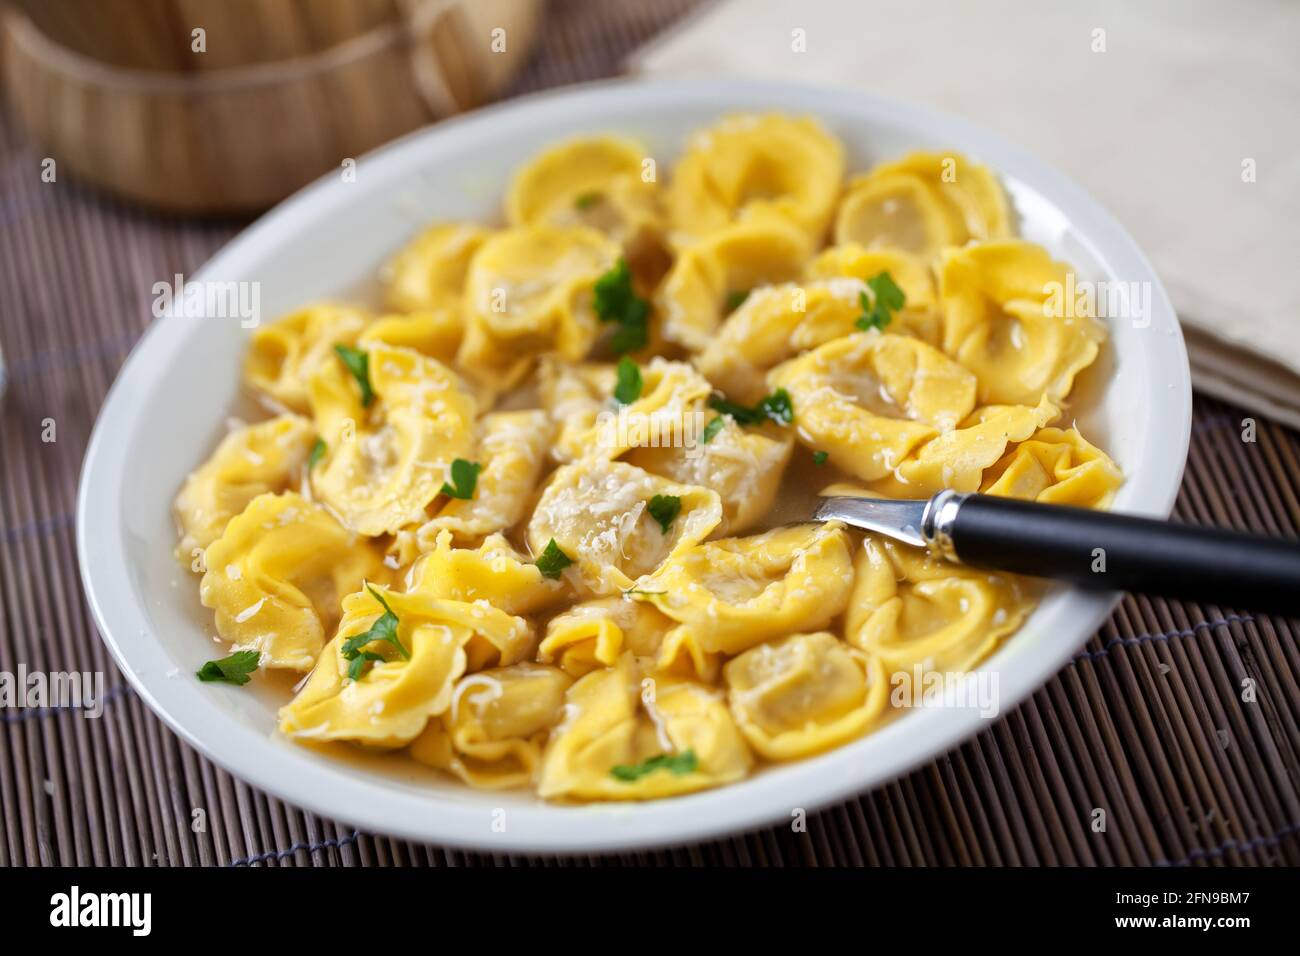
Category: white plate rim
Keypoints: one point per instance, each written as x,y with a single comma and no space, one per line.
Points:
805,785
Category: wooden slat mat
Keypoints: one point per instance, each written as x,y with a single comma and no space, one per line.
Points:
1147,723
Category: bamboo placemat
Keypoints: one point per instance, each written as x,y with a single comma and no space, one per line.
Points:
1147,722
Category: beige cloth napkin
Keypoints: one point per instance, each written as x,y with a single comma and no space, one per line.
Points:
1163,127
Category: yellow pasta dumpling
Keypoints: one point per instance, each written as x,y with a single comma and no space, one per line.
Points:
276,575
511,450
749,167
910,610
1058,466
773,324
284,356
621,740
595,182
433,332
429,272
1006,319
599,514
574,395
529,293
250,461
738,592
957,459
494,572
923,203
493,733
869,400
383,466
743,465
411,649
597,633
667,413
919,315
694,297
804,694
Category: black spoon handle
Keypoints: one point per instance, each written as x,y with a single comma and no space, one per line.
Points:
1104,551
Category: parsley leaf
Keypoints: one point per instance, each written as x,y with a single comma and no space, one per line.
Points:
234,669
679,764
628,389
819,457
464,478
776,407
886,299
616,301
712,428
736,299
384,629
586,200
665,509
358,363
553,561
630,336
317,453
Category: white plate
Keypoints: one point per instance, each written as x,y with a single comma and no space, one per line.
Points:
170,403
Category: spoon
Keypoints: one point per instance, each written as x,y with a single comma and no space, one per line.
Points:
1097,550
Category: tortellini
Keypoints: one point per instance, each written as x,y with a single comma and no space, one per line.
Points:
389,701
738,592
284,356
599,182
694,296
743,465
435,332
910,610
526,519
870,400
752,167
492,734
494,572
804,694
1006,319
276,576
1057,466
512,449
529,293
922,204
429,272
598,514
616,726
384,465
250,461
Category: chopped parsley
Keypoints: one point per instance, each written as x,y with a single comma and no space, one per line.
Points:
384,629
234,669
886,299
630,591
553,561
616,301
464,478
776,407
628,389
665,509
819,457
358,363
317,453
736,299
712,428
679,764
586,200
